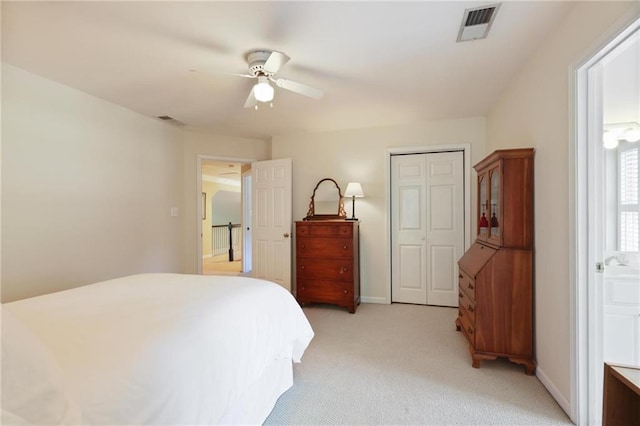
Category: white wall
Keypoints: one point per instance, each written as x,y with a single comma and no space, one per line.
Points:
535,112
621,85
87,189
360,155
88,186
195,143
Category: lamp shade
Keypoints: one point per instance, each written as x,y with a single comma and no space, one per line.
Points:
263,91
354,189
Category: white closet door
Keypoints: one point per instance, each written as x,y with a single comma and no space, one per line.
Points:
408,229
427,222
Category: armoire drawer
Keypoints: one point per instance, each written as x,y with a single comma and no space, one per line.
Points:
333,269
467,284
467,325
469,306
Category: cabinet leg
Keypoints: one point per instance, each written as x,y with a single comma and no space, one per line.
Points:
458,324
475,363
529,365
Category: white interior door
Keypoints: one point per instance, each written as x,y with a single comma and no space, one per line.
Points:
271,221
607,305
427,210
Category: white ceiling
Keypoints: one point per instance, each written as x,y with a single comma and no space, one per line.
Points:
379,63
221,171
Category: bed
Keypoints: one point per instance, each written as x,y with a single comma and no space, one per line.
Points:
151,349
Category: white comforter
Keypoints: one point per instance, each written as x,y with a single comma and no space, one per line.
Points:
165,348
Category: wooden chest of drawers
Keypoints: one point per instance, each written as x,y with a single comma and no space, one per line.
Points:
327,263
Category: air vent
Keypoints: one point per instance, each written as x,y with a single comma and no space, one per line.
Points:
171,120
477,22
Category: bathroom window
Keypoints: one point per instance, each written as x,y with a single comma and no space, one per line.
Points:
629,197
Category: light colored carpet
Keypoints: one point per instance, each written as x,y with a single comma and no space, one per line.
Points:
216,264
405,365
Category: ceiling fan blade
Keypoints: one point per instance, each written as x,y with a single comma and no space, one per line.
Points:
275,61
300,88
223,73
251,100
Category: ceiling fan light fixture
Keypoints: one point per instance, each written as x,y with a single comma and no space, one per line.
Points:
263,91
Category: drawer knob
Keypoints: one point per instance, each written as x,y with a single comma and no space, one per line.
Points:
302,267
460,276
302,246
469,330
459,295
346,291
470,308
470,286
344,247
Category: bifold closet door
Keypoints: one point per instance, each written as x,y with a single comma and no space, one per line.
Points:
427,227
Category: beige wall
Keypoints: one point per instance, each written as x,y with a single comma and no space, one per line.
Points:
535,112
87,189
199,143
360,155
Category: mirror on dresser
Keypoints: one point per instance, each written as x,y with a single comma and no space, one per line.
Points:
326,201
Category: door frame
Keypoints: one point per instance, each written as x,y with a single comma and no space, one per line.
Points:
466,182
246,222
586,132
198,218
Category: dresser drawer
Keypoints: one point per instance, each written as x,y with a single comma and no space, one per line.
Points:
467,285
469,306
327,229
327,291
331,269
341,248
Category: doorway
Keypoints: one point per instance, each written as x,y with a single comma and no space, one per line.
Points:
222,242
428,225
606,306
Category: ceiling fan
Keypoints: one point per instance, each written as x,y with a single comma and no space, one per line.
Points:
263,66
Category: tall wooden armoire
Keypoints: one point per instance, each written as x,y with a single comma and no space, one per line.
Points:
495,311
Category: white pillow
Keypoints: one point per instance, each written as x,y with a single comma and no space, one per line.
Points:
33,388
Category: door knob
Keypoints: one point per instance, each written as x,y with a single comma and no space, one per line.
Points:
286,235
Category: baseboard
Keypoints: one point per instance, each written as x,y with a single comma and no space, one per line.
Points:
204,256
378,300
553,390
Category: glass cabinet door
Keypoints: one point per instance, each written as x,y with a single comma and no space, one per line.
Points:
496,211
483,196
